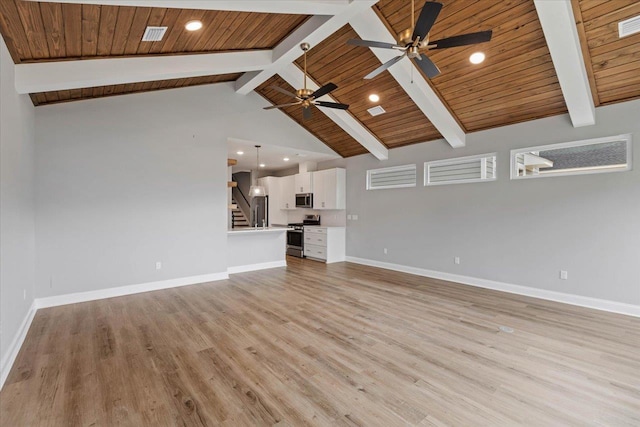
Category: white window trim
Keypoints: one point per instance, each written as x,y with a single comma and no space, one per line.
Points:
392,169
456,160
623,137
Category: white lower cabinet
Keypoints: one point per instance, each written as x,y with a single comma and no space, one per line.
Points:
325,243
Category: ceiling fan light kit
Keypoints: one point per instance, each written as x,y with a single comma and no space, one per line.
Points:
414,42
308,97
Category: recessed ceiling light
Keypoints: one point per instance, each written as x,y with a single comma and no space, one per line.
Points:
374,97
193,25
477,58
240,153
286,159
262,165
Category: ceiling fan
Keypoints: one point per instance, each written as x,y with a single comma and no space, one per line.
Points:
416,39
307,97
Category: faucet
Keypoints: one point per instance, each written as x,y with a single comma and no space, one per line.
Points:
264,223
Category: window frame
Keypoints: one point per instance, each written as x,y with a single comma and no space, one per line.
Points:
513,167
371,172
458,160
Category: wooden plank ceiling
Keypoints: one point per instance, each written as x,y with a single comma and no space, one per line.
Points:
517,81
613,63
345,65
38,32
43,31
319,125
54,97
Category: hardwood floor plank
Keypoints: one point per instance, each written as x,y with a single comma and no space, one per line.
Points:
313,344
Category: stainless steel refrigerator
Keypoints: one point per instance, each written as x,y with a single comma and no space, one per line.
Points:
260,211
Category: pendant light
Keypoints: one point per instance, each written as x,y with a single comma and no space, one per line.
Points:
256,190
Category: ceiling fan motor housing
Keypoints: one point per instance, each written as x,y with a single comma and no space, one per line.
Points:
405,38
304,93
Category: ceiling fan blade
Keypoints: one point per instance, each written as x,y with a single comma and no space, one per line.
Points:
329,87
371,43
427,18
462,40
336,105
286,92
427,66
306,113
383,67
271,107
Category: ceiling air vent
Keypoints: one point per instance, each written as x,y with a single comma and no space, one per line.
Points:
154,34
629,26
376,111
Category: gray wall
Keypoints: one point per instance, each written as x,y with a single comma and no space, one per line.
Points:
126,181
518,232
17,226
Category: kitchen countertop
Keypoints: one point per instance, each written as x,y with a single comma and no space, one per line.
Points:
252,230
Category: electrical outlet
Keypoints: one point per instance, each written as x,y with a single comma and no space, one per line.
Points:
564,275
354,217
349,217
385,251
456,260
158,265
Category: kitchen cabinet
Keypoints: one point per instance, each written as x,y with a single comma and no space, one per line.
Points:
288,188
327,244
329,189
273,188
303,183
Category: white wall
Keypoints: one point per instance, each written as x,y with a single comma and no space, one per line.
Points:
517,232
126,181
267,249
17,242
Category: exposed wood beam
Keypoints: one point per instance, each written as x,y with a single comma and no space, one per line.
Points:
586,54
302,7
561,34
64,75
369,27
295,77
314,31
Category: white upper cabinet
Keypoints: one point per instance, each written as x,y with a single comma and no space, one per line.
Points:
288,188
304,183
330,189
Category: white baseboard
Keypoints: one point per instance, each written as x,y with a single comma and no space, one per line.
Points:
596,303
127,290
16,344
255,267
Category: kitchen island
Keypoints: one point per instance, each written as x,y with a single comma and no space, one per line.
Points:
250,248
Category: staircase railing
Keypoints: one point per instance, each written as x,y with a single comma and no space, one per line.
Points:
243,203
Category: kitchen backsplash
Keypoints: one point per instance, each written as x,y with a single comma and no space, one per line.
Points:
328,218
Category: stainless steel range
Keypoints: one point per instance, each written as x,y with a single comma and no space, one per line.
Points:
295,235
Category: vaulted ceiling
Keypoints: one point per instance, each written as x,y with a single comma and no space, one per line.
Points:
536,66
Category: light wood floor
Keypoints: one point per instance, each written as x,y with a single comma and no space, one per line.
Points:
325,345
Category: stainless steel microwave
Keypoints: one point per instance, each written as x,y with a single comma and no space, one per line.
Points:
304,200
